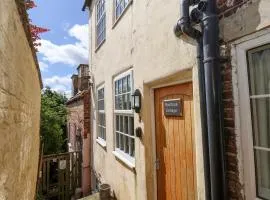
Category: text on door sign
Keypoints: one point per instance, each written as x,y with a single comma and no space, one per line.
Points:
173,107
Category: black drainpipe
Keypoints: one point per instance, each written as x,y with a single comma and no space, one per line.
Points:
184,27
210,90
214,104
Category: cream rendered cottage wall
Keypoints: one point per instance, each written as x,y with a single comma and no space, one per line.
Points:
142,40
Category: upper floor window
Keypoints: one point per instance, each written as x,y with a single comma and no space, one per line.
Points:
101,119
124,119
100,22
120,6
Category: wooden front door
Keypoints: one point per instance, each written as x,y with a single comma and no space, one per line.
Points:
175,162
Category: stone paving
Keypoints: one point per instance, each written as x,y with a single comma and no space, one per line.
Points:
92,197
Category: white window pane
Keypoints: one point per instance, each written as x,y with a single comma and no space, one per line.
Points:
132,148
117,123
260,109
121,124
263,173
116,87
120,102
259,70
124,84
128,83
125,102
126,145
122,142
126,124
129,101
120,86
131,126
117,140
116,103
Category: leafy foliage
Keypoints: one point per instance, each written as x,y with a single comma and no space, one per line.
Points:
34,30
53,121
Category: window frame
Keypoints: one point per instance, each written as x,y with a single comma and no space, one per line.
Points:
115,18
120,154
97,22
100,140
243,115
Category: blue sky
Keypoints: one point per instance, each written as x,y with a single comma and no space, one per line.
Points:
65,46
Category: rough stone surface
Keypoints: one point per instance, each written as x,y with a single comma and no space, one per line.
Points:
19,108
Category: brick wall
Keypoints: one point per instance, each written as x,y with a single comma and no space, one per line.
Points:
232,169
86,102
79,117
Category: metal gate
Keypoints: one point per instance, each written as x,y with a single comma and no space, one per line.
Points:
60,175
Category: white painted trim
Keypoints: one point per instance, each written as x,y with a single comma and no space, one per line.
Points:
101,142
260,96
244,112
122,74
261,148
100,86
127,161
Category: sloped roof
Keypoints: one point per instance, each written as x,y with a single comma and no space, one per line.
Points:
77,97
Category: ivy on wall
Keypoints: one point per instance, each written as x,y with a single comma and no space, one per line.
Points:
32,31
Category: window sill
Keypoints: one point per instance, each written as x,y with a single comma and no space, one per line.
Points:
99,46
125,161
118,19
101,142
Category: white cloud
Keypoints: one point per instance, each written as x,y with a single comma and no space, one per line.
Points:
43,66
61,84
58,80
80,32
70,54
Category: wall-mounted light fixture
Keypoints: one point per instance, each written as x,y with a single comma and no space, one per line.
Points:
136,101
138,132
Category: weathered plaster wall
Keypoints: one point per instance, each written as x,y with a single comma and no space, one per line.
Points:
19,108
143,39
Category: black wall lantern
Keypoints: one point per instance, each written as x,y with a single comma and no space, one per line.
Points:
136,101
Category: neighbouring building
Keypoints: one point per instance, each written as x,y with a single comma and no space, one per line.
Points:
78,122
133,46
20,96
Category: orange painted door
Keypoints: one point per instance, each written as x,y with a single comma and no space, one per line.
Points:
175,162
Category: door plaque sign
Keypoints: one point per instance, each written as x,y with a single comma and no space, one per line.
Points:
173,108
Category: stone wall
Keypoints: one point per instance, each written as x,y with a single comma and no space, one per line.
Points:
19,108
